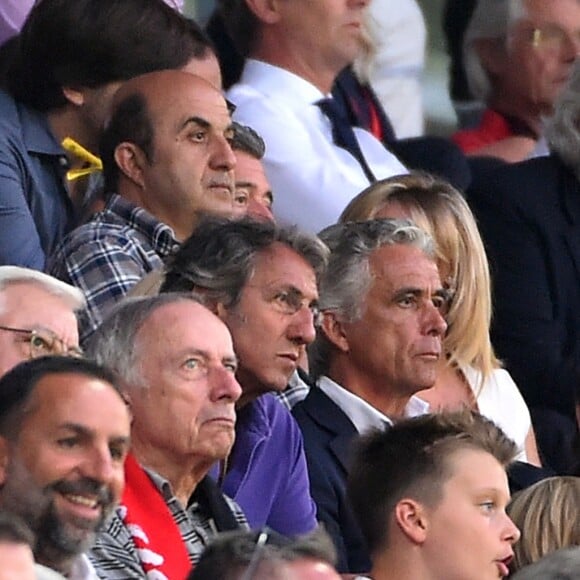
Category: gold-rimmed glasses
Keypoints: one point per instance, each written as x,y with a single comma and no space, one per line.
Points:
44,342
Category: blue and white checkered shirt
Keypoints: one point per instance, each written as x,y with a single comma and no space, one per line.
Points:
109,254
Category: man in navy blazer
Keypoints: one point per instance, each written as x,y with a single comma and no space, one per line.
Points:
529,216
382,306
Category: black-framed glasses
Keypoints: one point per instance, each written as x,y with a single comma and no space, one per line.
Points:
44,342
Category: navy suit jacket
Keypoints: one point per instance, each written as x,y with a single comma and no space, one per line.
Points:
529,218
328,436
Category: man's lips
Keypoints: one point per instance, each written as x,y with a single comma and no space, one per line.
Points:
291,356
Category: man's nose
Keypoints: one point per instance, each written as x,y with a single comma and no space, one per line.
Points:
301,328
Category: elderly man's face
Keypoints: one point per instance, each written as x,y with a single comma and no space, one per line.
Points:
273,321
27,307
64,472
397,341
187,365
541,49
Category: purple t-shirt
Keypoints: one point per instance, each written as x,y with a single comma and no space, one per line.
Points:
267,473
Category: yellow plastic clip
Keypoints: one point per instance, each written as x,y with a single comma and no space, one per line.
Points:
94,163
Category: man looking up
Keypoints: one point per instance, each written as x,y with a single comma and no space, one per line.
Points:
64,435
261,280
72,57
166,159
176,364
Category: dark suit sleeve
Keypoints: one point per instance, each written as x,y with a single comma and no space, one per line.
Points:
530,271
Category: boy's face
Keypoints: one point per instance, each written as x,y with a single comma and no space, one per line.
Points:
468,534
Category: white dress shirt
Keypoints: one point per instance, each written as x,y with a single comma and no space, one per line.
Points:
312,179
362,415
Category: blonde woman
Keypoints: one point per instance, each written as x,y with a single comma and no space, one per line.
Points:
548,516
471,375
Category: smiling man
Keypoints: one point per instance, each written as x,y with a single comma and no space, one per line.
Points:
166,160
177,368
430,496
379,342
64,435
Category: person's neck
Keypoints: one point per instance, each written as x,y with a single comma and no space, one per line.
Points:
183,473
526,114
283,56
49,556
64,122
375,391
182,225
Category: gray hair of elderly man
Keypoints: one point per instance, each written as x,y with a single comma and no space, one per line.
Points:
10,275
115,343
563,564
563,130
347,279
490,19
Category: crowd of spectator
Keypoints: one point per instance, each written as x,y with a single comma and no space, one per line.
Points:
255,324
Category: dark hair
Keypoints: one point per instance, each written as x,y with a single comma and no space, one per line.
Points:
240,23
14,530
247,140
413,458
18,384
232,554
89,43
130,121
219,257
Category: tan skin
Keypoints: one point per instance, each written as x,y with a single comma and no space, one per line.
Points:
451,391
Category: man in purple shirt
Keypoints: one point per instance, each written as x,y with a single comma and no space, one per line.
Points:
261,280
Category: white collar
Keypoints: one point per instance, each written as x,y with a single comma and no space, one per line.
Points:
363,415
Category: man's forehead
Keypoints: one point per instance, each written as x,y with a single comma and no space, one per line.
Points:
402,261
282,264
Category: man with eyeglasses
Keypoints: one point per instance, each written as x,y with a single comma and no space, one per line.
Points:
518,57
37,316
261,280
379,343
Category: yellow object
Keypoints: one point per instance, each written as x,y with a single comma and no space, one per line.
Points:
94,162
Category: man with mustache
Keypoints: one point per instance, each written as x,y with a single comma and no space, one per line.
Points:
177,368
166,160
379,342
64,435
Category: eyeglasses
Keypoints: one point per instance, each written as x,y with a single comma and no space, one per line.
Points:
291,301
44,342
553,38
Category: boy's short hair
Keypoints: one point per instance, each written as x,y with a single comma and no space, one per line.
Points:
412,458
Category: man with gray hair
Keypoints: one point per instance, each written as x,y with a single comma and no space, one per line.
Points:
528,214
37,316
518,56
261,280
176,366
383,307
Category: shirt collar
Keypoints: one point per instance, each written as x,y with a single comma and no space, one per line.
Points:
36,133
268,79
161,235
363,415
82,569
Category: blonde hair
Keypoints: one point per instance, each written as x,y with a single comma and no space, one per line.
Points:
439,209
547,514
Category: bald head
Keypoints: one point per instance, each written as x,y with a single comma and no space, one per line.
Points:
167,148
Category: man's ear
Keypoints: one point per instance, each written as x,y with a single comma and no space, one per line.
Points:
333,329
131,160
265,10
74,96
4,459
411,518
219,309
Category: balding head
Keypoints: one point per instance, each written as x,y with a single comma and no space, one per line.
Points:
167,148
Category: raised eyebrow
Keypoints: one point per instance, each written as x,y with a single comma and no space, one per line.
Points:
203,123
402,292
77,429
245,184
